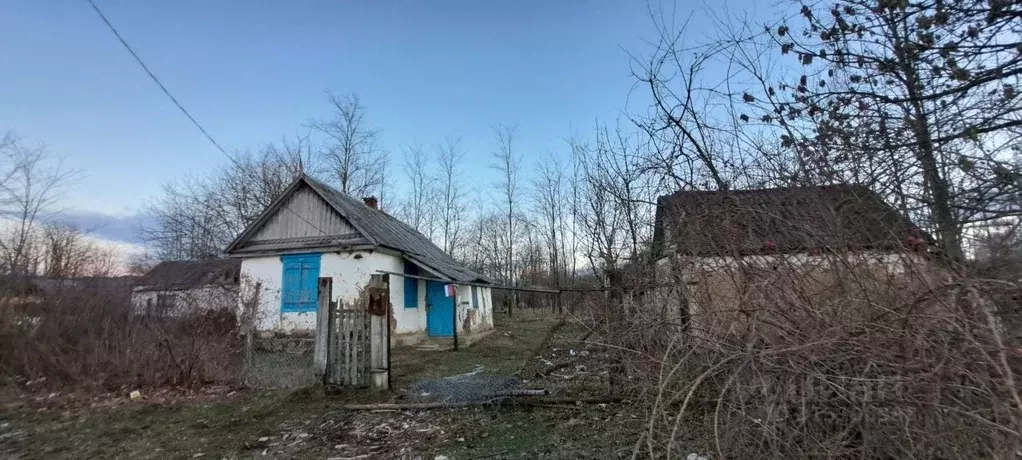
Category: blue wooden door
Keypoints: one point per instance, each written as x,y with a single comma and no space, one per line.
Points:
439,311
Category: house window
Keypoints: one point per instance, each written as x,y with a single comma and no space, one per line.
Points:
411,286
165,302
475,297
299,291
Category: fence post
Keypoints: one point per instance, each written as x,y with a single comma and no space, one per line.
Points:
454,315
251,307
379,331
319,356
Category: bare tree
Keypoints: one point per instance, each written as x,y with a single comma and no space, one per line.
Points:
549,192
351,152
419,206
31,181
508,162
485,245
452,199
140,263
599,216
197,217
918,100
67,253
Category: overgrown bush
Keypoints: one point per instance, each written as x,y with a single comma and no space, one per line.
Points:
94,338
823,359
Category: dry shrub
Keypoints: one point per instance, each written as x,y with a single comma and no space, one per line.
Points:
94,338
831,357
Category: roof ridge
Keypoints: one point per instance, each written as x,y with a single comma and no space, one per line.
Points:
769,189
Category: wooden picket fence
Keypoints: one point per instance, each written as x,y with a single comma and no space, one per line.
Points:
348,358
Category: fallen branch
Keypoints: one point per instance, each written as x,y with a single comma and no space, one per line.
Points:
555,368
495,454
520,393
539,402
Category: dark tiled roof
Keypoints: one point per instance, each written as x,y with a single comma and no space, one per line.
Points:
387,231
189,274
779,220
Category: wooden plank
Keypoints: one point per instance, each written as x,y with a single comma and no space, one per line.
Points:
351,347
350,333
335,338
317,218
319,356
525,401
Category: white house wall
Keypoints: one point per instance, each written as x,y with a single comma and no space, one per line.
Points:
187,300
407,320
413,320
472,320
350,274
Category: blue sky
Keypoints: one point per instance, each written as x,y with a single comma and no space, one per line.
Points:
252,71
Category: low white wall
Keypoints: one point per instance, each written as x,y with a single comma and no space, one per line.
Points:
474,319
186,301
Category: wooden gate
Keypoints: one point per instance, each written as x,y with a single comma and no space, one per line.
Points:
353,344
349,349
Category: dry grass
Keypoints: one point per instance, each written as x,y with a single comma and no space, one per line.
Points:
308,424
833,360
92,338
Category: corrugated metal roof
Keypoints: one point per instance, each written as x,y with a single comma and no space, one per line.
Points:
304,242
388,231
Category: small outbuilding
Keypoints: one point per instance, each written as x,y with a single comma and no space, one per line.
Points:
315,242
715,252
188,286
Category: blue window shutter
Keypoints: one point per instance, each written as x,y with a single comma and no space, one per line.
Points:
475,297
411,293
411,286
299,288
288,291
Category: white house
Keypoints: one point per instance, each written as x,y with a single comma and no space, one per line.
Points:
185,286
315,241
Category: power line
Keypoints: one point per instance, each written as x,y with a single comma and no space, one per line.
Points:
156,80
181,107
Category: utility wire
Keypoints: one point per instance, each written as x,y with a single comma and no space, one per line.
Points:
181,107
157,80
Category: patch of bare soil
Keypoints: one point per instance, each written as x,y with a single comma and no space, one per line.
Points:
570,364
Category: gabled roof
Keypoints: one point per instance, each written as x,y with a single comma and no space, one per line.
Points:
743,222
190,274
377,229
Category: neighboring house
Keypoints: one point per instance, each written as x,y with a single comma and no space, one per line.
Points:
16,290
721,251
314,237
185,286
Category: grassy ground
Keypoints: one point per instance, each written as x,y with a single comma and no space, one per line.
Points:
308,424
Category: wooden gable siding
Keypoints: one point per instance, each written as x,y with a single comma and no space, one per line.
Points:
314,217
